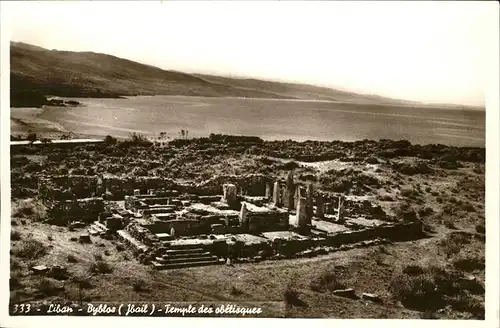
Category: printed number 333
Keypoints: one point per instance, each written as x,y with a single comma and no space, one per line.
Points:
22,308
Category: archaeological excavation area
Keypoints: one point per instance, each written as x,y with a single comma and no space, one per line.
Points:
223,220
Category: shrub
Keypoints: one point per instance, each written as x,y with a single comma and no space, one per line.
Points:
15,235
139,286
468,207
469,263
406,212
448,223
291,297
14,283
47,288
372,160
235,291
29,208
466,303
419,292
425,211
110,140
72,258
480,228
413,270
386,198
100,267
83,282
409,193
453,243
383,249
120,247
326,282
429,315
30,249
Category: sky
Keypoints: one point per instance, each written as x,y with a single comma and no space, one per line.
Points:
435,52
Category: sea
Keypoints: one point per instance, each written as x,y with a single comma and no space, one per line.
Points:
270,119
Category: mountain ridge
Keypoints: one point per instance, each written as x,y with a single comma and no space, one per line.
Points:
37,72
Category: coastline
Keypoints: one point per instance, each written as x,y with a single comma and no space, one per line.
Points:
29,120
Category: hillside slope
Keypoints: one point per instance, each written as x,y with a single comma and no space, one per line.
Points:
37,71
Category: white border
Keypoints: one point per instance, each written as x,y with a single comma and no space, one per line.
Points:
492,218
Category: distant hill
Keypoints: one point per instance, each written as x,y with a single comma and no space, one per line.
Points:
37,72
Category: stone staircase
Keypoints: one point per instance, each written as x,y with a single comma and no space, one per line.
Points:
183,256
97,228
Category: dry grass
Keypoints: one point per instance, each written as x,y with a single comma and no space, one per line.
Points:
30,249
29,208
432,288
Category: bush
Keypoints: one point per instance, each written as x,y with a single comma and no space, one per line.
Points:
426,211
480,228
29,208
110,140
30,249
139,286
413,270
434,287
235,291
466,303
100,267
326,282
371,160
409,193
429,315
120,247
448,223
406,212
15,235
48,288
417,292
83,282
292,297
469,263
72,258
453,243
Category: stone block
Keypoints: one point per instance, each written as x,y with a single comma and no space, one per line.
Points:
348,292
371,297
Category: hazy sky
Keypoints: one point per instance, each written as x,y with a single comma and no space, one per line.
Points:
431,52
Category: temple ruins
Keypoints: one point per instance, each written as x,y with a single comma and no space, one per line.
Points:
173,225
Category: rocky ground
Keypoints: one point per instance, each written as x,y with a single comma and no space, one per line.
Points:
441,276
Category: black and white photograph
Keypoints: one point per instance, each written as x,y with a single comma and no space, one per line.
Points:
264,159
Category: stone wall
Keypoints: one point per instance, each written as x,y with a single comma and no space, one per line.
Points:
119,187
252,184
267,221
85,210
65,187
402,231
